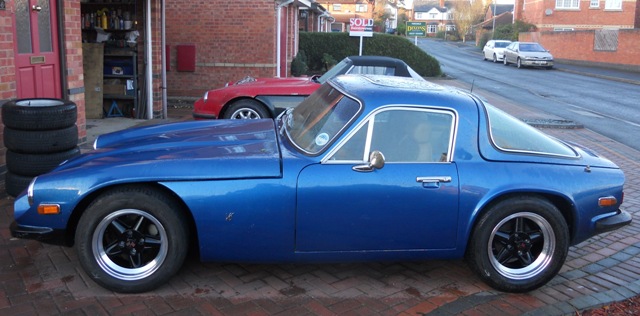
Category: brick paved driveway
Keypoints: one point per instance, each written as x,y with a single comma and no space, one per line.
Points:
46,280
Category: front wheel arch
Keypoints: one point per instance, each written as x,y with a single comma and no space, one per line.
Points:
72,225
132,238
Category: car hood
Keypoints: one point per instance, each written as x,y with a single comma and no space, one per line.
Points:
220,149
260,82
541,55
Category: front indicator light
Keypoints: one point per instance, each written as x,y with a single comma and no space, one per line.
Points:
48,209
607,201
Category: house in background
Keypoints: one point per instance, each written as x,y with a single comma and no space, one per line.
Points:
343,10
576,15
598,32
437,15
496,15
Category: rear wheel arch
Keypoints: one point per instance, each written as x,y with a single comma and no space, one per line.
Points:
72,225
532,224
564,205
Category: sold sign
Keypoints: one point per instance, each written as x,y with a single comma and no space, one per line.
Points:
360,27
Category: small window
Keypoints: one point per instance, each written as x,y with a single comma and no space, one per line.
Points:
594,4
361,8
613,5
567,4
432,28
432,16
337,7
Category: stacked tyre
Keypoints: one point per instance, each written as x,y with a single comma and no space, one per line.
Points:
39,134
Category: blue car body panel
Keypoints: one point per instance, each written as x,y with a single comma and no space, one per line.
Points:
255,197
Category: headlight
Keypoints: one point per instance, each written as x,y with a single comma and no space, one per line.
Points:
206,95
30,191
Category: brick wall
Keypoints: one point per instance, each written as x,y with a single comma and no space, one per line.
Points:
74,71
580,46
233,39
585,17
7,70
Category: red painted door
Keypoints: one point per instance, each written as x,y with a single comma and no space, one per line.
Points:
36,47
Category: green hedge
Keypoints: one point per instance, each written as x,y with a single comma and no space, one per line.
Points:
340,45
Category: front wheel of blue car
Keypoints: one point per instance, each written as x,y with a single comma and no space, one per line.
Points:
132,239
519,244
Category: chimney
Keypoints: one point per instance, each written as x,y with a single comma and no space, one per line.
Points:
442,3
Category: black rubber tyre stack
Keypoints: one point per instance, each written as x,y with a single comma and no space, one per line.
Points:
39,134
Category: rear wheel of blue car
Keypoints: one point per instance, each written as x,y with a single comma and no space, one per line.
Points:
519,244
246,110
132,239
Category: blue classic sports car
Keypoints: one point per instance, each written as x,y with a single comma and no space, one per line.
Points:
366,168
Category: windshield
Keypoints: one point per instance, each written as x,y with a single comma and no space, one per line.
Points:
338,69
502,44
511,134
531,48
319,119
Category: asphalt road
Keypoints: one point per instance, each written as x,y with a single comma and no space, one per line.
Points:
608,107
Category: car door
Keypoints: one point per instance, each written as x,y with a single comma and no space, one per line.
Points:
409,204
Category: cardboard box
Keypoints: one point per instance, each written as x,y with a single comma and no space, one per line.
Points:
114,88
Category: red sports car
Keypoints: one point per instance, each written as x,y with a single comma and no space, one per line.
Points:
255,98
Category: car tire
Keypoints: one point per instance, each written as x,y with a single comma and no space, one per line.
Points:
37,164
246,110
41,142
519,63
495,58
112,239
484,56
39,114
519,244
14,184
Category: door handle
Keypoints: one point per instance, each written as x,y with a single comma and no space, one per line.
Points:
433,179
36,8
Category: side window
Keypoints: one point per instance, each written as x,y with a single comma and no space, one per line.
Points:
403,135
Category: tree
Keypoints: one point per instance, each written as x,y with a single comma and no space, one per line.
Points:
466,14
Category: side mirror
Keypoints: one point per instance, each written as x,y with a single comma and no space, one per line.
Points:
376,161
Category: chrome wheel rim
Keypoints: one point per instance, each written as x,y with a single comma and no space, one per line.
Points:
129,244
245,114
521,246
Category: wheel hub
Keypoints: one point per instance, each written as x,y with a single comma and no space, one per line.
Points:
131,241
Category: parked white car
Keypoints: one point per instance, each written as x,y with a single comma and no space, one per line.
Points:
494,50
525,54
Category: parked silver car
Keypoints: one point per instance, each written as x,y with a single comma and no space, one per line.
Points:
494,50
527,54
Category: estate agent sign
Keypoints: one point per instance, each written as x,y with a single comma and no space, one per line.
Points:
361,27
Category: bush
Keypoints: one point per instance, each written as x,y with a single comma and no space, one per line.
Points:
341,45
299,65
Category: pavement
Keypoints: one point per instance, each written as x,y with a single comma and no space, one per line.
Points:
47,280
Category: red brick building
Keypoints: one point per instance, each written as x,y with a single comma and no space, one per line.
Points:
575,15
207,44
